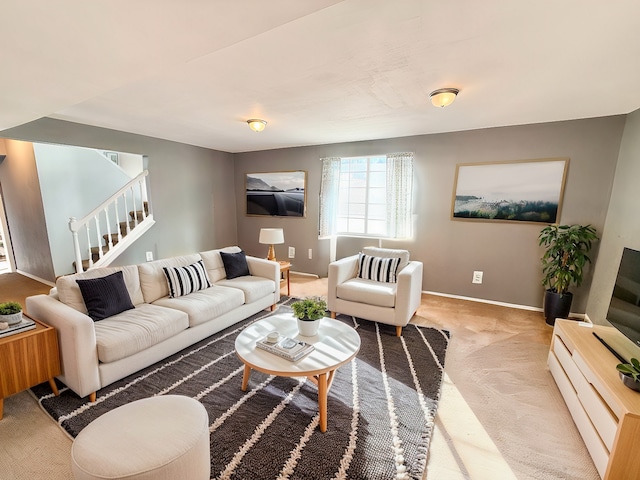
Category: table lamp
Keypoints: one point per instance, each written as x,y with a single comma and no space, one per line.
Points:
271,236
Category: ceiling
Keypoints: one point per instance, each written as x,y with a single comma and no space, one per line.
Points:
318,71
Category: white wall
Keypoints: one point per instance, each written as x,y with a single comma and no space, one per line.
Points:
622,228
73,181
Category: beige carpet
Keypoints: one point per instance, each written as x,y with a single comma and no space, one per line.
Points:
500,416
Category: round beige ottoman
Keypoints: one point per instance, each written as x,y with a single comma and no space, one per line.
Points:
164,437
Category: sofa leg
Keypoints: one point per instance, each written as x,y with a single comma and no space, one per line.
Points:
92,397
398,331
273,307
333,314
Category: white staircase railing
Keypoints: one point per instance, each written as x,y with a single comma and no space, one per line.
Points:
131,197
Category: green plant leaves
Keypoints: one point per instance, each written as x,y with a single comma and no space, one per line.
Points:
311,308
631,369
565,256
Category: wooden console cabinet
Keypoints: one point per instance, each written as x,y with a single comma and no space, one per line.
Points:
27,359
606,412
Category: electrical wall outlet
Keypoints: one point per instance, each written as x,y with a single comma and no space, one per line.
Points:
149,256
292,252
477,277
310,253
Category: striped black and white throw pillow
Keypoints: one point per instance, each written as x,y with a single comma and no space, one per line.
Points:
378,268
185,280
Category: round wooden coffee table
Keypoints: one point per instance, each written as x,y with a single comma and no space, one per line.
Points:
334,345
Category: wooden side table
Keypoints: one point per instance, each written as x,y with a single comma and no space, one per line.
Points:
27,359
285,268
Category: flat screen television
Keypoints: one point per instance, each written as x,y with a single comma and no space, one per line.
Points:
624,308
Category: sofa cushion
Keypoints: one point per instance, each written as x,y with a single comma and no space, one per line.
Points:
132,331
105,296
184,280
235,264
213,262
206,304
153,283
377,268
254,288
368,291
69,292
403,255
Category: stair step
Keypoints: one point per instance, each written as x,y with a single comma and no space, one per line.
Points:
123,227
114,238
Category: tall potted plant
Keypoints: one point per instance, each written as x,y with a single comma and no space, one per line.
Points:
565,256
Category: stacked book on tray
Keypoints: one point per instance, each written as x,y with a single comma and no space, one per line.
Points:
286,347
22,326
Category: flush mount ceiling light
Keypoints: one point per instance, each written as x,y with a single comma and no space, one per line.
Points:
256,124
443,96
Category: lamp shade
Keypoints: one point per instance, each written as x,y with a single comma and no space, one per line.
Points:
269,236
443,96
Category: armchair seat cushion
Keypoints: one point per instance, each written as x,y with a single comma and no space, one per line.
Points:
368,292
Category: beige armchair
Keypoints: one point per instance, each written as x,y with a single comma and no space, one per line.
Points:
371,299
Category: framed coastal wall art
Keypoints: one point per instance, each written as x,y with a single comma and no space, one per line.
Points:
276,194
515,191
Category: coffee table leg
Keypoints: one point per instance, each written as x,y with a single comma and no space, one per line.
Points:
322,401
245,377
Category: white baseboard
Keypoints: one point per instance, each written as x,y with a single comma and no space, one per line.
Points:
581,316
482,300
303,274
37,279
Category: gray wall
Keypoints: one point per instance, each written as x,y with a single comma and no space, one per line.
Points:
197,207
193,199
622,228
24,211
507,253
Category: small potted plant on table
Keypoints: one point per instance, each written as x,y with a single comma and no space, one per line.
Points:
10,313
309,311
630,374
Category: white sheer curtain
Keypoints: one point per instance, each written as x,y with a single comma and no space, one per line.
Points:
329,186
399,194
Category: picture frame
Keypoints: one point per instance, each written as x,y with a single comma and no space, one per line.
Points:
528,191
276,194
113,156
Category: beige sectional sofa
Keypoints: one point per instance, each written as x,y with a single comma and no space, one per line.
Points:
97,353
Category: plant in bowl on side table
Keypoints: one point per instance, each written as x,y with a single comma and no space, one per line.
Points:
309,311
10,313
630,374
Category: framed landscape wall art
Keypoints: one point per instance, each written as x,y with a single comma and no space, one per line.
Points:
518,191
276,194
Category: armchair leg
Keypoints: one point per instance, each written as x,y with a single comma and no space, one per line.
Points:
333,314
92,397
398,331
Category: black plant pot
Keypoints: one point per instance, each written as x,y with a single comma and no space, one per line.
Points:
556,305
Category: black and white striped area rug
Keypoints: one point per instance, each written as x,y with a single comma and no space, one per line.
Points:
381,406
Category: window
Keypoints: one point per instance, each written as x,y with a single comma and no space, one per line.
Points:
362,196
368,196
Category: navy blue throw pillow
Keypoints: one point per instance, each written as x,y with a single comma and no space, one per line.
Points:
105,296
235,264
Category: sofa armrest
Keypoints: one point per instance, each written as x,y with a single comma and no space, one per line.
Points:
409,290
339,272
76,341
260,267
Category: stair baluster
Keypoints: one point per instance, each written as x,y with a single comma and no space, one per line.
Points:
127,232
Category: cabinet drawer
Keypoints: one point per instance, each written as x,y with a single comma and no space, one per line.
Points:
603,420
564,385
566,361
597,450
